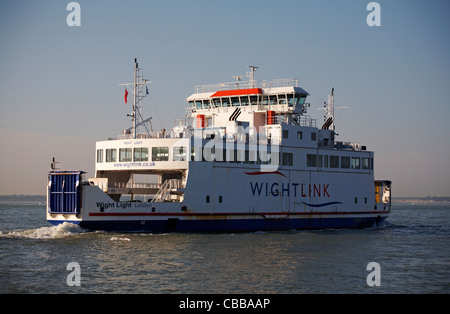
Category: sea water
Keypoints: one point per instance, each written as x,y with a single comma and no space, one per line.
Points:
412,249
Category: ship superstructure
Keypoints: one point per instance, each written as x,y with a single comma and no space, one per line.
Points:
246,158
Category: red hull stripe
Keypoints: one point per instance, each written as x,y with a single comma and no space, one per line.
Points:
238,214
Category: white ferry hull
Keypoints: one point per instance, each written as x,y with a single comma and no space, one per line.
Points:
222,223
251,160
303,211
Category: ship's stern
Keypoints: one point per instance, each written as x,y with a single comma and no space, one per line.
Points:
64,189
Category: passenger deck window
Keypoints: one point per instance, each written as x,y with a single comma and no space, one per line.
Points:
179,153
345,162
160,153
334,161
365,163
141,154
311,160
99,155
356,163
288,159
111,155
124,154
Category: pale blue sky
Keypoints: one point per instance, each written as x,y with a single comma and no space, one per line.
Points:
59,84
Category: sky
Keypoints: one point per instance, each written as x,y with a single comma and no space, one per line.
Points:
60,93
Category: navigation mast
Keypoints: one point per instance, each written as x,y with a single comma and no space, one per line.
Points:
137,88
251,74
328,106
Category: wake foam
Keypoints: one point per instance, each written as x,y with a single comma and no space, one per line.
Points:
54,232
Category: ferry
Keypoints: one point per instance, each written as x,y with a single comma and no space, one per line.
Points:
246,157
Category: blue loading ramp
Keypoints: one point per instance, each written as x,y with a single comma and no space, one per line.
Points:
64,192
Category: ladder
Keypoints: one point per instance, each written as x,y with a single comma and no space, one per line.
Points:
164,192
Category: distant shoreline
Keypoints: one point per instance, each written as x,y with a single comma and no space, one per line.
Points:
422,200
397,200
23,198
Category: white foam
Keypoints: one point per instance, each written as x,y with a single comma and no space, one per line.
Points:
119,239
54,232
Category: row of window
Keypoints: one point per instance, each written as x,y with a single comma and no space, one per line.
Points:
141,154
300,135
332,161
246,100
236,156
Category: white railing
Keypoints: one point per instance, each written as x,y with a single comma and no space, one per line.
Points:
127,185
168,186
245,85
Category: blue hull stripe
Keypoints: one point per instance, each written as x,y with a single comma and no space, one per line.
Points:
225,225
322,205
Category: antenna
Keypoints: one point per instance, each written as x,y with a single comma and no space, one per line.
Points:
328,106
54,165
238,78
138,93
251,74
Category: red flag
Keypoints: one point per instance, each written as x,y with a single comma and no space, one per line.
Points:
126,95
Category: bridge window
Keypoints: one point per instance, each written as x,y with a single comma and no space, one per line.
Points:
216,102
272,100
141,154
160,153
282,99
225,102
253,100
299,99
290,99
111,155
235,101
244,100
